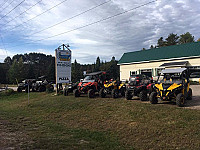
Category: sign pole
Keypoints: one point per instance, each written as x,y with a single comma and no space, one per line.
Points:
28,92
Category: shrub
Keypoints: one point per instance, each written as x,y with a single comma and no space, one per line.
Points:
7,92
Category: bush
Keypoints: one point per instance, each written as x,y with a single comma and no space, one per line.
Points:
7,92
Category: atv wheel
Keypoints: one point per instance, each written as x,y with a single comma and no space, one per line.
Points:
19,90
143,95
152,98
180,101
33,90
123,92
114,93
102,93
42,89
128,95
76,93
66,92
189,96
91,93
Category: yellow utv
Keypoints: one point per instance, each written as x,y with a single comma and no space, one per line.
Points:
115,88
172,85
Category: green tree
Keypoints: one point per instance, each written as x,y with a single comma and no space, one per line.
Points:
198,40
98,64
8,60
172,39
21,70
13,72
77,72
143,49
161,42
186,38
4,73
29,72
151,47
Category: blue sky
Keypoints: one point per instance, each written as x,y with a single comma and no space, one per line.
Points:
128,32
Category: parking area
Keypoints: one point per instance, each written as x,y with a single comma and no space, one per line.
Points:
195,102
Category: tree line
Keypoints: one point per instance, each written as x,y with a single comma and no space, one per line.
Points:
174,39
34,65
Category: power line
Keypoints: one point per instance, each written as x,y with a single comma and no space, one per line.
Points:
104,19
71,17
13,9
7,6
4,3
24,11
38,15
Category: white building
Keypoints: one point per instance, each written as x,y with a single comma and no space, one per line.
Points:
152,61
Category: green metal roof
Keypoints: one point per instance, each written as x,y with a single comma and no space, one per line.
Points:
168,52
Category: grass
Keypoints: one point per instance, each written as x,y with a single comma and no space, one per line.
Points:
58,122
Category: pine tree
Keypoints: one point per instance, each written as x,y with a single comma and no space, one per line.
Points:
172,39
186,38
14,72
161,42
22,71
98,63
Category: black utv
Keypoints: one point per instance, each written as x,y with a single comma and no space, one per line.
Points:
41,85
69,88
140,86
25,85
172,85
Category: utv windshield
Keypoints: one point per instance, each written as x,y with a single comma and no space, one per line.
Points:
170,77
88,78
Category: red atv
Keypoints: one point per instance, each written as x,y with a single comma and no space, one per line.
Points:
91,84
139,85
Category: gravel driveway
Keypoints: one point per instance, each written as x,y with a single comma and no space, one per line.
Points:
195,102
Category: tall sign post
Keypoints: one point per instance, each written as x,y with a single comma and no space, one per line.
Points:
63,65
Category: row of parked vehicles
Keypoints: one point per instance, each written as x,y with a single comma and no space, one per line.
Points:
39,85
171,85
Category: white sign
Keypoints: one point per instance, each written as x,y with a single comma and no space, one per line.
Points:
63,66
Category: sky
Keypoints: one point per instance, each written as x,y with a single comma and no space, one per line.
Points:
22,26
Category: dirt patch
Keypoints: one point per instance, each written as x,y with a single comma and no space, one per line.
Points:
11,138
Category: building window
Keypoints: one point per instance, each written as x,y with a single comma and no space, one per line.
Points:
133,72
147,72
158,71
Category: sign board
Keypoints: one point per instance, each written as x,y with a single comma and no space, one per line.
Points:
63,65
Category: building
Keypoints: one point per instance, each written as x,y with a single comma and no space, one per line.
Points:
152,61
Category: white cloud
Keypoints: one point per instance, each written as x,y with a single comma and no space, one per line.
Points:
128,32
4,53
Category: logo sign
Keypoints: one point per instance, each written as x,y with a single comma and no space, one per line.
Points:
63,66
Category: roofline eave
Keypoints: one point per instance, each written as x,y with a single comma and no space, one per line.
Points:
180,58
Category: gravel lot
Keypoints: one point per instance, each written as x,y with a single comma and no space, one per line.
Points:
195,102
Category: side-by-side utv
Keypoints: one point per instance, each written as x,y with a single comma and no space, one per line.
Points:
70,88
24,85
115,88
91,84
140,86
172,85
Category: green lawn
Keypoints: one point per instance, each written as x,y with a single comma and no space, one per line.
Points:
58,122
